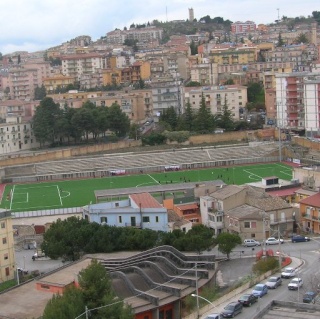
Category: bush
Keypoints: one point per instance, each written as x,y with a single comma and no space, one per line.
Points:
265,264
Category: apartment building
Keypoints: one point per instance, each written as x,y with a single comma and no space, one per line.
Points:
136,104
239,27
8,269
58,81
141,34
215,97
177,65
310,213
165,93
22,81
16,135
235,56
75,65
298,101
301,55
204,73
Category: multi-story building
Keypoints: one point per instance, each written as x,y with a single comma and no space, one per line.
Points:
58,81
310,213
136,104
75,65
243,27
298,101
16,135
301,55
22,81
165,93
241,55
139,211
141,34
204,73
235,96
8,268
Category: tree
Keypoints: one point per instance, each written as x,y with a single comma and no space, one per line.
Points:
169,116
118,120
227,242
95,292
67,238
302,38
203,122
185,121
193,48
45,120
66,306
40,92
225,120
280,42
255,92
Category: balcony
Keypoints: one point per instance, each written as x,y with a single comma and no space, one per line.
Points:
281,220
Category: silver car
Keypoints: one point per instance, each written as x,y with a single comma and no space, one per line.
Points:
274,282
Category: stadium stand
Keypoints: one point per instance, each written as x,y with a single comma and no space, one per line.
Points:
86,167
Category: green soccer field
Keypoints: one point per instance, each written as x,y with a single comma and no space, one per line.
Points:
76,193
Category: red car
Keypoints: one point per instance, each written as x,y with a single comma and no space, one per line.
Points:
248,299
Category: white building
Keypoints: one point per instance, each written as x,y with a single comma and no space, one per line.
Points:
16,135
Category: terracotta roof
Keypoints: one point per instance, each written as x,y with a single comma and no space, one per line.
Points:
145,200
313,200
284,192
187,206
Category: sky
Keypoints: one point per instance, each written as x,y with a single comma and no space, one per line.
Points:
33,25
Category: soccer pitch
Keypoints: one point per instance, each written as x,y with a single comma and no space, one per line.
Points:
76,193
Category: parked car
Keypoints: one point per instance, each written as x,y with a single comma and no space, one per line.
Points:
309,297
248,299
251,243
299,238
295,283
213,316
288,272
274,282
232,309
260,290
274,241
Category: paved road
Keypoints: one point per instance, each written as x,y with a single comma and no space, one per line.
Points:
24,260
309,252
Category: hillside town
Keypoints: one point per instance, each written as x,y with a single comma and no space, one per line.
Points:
201,141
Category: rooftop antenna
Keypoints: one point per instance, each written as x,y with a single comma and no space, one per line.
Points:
278,15
166,14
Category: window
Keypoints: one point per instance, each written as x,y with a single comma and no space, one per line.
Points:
4,240
3,225
6,256
157,219
253,235
120,219
103,220
246,224
7,271
146,219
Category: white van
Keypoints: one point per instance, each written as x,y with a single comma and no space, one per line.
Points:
213,316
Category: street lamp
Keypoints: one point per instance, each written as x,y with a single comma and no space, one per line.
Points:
208,301
197,296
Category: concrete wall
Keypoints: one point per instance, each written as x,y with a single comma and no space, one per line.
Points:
306,143
61,154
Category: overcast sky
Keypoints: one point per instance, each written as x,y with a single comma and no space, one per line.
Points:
33,25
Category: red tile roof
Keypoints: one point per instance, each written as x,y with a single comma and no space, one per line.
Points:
313,200
187,206
145,200
284,192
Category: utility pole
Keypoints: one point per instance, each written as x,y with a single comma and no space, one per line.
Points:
264,234
279,249
197,291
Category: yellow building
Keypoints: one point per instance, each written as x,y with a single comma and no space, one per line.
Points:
52,83
243,55
7,260
111,76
